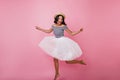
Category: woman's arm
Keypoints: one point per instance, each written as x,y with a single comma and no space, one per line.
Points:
73,33
44,30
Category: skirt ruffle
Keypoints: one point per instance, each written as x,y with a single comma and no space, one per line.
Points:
62,48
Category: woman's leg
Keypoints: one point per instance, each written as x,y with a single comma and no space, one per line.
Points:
56,64
76,62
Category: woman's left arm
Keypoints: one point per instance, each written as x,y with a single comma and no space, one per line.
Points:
73,33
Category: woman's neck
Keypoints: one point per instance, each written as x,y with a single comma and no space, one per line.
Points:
58,24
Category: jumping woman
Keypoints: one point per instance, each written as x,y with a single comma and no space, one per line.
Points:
60,47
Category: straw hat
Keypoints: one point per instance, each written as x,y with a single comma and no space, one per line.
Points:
59,14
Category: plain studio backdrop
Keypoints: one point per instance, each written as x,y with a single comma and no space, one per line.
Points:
22,59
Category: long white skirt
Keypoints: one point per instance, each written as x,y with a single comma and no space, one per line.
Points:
62,48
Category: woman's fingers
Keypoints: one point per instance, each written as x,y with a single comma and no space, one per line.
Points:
81,29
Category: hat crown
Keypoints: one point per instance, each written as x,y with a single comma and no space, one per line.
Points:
60,14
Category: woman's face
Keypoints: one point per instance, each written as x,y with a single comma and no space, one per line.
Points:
60,20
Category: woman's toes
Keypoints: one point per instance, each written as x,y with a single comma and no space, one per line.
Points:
82,62
56,76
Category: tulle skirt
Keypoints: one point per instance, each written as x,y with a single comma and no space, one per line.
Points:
62,48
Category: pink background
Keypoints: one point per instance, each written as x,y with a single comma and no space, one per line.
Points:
22,59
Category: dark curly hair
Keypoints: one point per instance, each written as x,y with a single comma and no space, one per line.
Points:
57,17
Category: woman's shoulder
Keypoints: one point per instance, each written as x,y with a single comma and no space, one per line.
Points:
53,24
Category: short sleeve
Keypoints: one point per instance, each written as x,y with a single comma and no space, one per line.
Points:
65,27
52,26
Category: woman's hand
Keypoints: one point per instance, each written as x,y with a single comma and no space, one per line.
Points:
81,29
37,27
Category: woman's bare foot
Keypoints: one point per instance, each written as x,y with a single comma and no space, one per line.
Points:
56,76
82,62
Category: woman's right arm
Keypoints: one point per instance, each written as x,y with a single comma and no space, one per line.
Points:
44,30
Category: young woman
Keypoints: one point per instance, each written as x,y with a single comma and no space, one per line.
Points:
61,47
